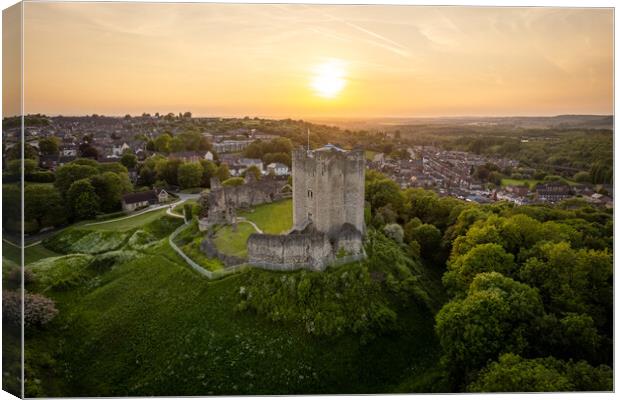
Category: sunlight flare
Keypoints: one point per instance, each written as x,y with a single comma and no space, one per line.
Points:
329,78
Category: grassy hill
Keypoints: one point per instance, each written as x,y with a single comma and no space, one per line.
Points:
135,320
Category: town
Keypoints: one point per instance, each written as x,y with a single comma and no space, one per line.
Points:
460,174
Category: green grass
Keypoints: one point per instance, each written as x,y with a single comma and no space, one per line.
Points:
234,243
128,223
151,326
37,252
529,182
179,208
273,218
520,182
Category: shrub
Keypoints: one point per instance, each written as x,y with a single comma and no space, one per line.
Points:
38,309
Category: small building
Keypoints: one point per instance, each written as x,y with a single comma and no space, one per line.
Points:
191,156
249,162
278,169
553,191
133,201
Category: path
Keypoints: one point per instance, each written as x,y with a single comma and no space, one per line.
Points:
242,219
182,198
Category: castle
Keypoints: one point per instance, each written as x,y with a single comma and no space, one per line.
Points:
328,213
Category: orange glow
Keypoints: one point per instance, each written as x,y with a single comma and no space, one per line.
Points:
304,61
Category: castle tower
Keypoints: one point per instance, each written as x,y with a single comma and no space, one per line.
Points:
328,189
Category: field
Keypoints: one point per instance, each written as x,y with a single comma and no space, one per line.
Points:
520,182
271,218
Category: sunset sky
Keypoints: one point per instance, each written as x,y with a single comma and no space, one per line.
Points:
316,61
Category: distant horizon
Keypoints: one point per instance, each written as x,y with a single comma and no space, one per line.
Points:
241,116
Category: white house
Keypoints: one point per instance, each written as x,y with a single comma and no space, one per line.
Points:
118,150
278,169
209,156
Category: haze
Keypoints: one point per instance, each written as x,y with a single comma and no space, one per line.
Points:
262,60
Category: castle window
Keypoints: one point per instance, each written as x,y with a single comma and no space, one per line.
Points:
310,193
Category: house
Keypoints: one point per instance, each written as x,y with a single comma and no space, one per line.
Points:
231,146
133,201
520,191
236,169
119,148
69,150
209,156
248,162
553,191
52,162
278,169
190,156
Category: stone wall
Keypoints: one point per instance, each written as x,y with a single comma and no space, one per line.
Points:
220,204
288,252
309,249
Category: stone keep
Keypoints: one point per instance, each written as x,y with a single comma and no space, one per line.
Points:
328,189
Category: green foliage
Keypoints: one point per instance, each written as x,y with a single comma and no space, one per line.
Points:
71,172
222,172
82,199
190,175
513,373
325,304
488,257
394,232
129,160
43,204
495,317
235,181
254,171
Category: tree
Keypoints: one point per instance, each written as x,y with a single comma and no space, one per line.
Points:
11,203
14,167
69,173
384,192
283,158
43,204
208,171
167,170
88,151
254,171
582,177
222,172
162,142
429,238
487,257
394,232
49,145
14,153
512,373
190,175
177,144
498,315
109,188
82,199
129,160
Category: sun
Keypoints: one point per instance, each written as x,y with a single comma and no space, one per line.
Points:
329,78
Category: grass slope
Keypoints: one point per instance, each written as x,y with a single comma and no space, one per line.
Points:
138,321
151,326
